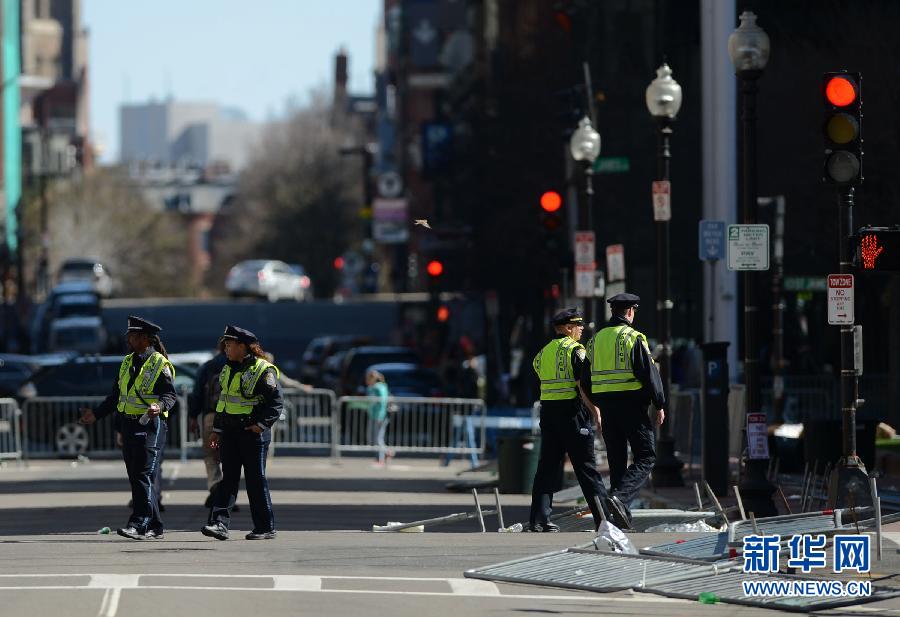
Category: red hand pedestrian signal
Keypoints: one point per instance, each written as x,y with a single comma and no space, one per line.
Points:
870,250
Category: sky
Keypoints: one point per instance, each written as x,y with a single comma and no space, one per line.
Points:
251,56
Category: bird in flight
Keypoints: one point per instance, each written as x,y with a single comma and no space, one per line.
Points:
423,223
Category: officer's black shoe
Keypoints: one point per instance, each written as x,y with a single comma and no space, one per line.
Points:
132,533
216,530
155,534
261,535
620,515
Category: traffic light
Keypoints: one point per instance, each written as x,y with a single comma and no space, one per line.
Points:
878,249
551,205
434,268
842,128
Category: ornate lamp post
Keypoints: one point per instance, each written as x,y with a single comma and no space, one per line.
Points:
663,102
748,47
584,146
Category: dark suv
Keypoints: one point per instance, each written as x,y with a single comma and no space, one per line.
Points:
320,349
359,359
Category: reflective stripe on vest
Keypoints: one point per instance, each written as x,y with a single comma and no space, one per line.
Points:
134,401
611,352
236,396
553,365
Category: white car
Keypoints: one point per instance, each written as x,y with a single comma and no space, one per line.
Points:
89,270
270,279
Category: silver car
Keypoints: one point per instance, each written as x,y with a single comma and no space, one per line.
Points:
266,278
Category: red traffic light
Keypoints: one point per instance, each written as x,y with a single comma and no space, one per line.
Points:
443,314
435,268
840,91
338,263
551,201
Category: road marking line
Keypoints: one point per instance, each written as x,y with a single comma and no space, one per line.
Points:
298,582
473,587
110,604
606,598
109,580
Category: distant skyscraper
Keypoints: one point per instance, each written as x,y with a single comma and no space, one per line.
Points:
196,134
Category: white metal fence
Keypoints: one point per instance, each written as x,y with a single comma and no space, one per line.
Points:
418,425
307,421
10,429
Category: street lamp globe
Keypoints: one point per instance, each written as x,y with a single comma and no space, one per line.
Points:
748,45
585,142
664,94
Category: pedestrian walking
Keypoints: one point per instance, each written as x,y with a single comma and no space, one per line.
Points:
142,396
202,409
623,382
377,389
567,424
250,402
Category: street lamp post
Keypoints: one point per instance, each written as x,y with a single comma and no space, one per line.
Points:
663,102
585,147
748,47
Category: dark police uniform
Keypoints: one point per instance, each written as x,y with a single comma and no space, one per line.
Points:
623,381
567,427
143,379
250,396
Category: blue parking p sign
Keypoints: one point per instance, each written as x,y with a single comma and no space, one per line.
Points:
712,240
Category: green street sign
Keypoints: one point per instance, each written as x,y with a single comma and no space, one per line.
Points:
805,283
612,165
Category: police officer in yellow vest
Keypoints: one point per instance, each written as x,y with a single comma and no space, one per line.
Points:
143,395
567,423
623,382
249,404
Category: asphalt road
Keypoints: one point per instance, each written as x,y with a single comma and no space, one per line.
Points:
53,561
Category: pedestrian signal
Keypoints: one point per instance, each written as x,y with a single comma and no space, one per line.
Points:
878,249
842,128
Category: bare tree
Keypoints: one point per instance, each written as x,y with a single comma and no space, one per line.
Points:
297,201
102,216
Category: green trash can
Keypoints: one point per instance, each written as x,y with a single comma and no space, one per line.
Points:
517,461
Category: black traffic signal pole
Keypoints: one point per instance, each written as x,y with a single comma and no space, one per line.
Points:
849,486
756,490
667,469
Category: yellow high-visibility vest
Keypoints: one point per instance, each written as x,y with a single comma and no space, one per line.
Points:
611,351
135,400
236,397
553,365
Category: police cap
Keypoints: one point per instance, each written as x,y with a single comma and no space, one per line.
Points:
568,316
240,335
624,300
137,324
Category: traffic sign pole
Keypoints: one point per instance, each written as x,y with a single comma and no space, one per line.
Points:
849,486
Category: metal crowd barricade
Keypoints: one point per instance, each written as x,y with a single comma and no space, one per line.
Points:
10,430
415,425
50,428
307,421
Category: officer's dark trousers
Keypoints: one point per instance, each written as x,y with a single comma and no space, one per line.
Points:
625,422
142,448
561,434
242,448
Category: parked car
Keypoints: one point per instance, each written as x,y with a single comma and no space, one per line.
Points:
305,281
359,359
16,369
321,348
81,334
75,305
90,270
46,311
330,375
407,379
191,360
269,279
